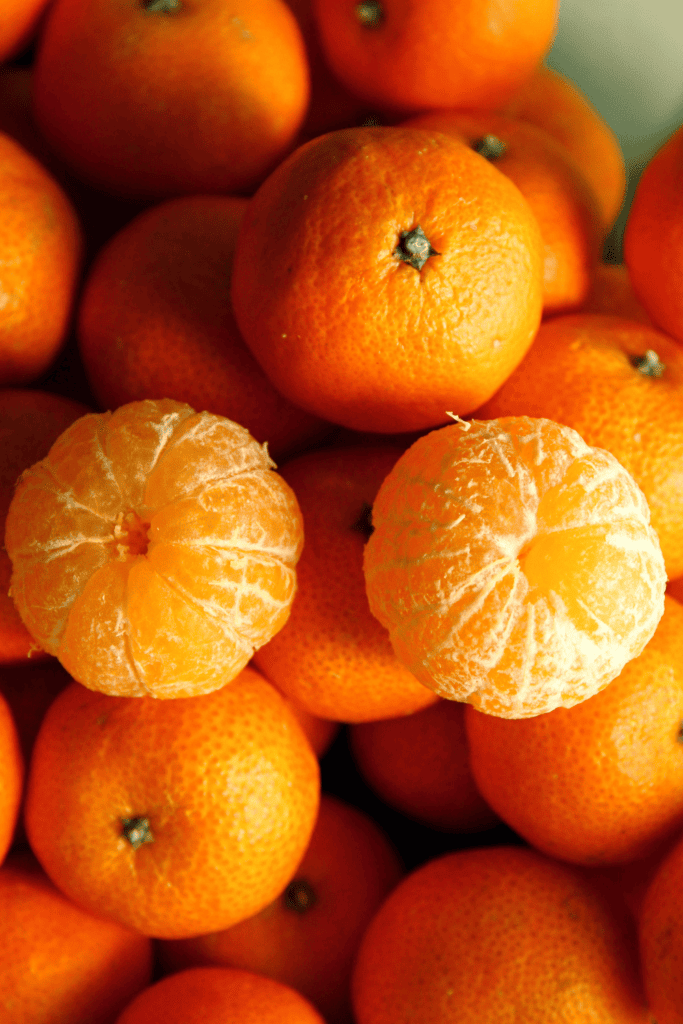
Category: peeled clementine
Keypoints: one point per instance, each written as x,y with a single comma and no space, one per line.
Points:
153,549
513,565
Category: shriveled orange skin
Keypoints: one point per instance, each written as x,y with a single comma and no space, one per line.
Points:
351,331
513,565
599,783
497,934
153,549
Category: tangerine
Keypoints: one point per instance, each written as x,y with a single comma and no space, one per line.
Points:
383,276
176,817
661,939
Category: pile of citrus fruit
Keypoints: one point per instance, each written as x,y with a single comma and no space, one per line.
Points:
341,496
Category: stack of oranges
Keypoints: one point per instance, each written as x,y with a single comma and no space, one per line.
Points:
341,488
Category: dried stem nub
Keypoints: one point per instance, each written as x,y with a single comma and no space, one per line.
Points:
414,248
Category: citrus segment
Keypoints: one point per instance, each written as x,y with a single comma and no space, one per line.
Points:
153,549
514,566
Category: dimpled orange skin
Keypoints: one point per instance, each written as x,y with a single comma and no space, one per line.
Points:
553,102
513,565
602,782
41,240
435,53
556,191
154,321
201,96
653,237
580,371
497,934
219,995
57,962
352,332
332,655
661,939
229,785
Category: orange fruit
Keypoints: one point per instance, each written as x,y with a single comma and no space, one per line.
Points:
374,282
11,776
217,995
173,817
332,656
308,937
653,240
30,421
153,549
155,321
57,962
200,98
620,385
513,565
19,20
553,102
661,939
556,191
476,53
420,765
586,784
41,240
494,935
611,294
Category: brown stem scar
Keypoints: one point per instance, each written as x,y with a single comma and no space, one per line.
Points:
299,896
490,147
369,13
161,6
414,248
649,364
137,831
364,522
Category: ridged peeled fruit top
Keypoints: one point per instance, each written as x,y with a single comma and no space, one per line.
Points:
513,565
153,549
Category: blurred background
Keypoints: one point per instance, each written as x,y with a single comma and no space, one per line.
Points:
627,56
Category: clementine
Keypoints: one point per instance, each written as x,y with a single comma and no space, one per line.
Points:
57,962
308,937
40,239
661,939
475,53
618,383
587,784
555,103
173,817
30,421
497,934
332,656
556,191
653,240
217,995
153,549
155,321
383,276
420,764
199,97
513,565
